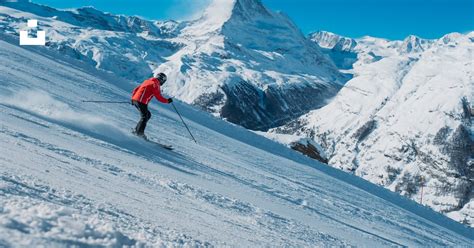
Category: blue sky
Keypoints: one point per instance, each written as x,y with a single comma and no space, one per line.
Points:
392,19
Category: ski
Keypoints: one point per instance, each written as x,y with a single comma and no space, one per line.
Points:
144,138
167,147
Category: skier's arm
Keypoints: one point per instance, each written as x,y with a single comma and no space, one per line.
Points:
135,90
157,93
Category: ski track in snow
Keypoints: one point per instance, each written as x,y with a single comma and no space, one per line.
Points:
71,174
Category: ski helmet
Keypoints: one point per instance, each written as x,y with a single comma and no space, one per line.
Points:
162,77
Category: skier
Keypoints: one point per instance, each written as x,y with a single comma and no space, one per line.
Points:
142,95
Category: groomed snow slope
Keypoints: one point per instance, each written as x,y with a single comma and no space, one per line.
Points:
70,174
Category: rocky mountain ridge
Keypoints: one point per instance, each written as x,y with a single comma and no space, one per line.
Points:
404,121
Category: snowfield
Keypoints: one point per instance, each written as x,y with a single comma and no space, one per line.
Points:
72,175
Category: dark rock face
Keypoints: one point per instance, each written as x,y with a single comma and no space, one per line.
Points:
409,184
458,144
309,150
365,130
257,109
244,105
460,148
207,101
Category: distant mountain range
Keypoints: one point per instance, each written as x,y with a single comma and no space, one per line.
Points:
404,121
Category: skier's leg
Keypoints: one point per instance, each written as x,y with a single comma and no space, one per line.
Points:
145,115
145,119
135,103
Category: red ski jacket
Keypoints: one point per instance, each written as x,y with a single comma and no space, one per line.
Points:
144,92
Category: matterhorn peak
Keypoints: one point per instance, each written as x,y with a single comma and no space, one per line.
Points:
219,12
253,53
248,9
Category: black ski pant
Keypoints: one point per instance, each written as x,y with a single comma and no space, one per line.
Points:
145,115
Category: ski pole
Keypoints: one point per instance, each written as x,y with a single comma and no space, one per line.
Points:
105,101
175,109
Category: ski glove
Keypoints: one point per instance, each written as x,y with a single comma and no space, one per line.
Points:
170,100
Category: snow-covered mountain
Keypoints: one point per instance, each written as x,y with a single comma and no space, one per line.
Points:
250,66
339,49
128,47
71,174
405,120
239,61
330,40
